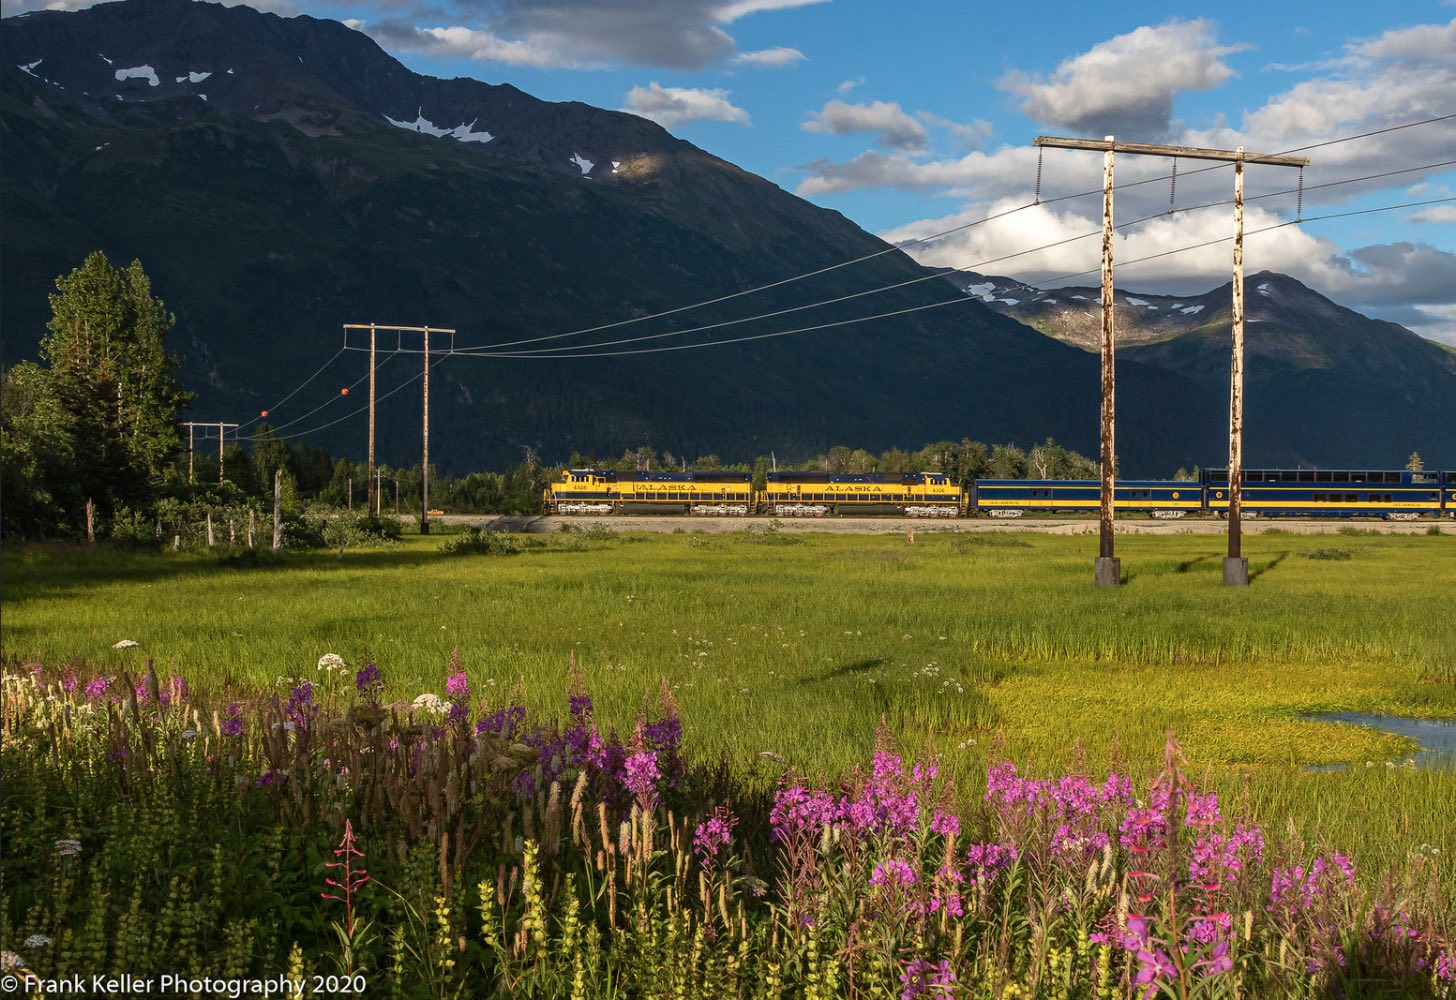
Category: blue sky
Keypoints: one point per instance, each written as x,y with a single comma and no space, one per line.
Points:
915,117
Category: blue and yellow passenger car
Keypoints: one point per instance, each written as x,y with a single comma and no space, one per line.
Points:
1392,494
1013,497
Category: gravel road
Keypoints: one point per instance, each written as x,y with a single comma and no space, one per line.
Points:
899,525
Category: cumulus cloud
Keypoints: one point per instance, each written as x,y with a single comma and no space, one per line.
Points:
1445,214
673,34
775,57
847,85
674,106
886,119
1126,84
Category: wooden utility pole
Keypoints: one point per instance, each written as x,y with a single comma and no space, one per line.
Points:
222,429
376,501
425,451
1107,569
373,492
1236,568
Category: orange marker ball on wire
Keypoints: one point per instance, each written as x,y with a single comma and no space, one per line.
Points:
263,414
343,392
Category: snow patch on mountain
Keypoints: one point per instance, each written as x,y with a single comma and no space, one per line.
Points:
582,163
463,133
1191,310
1136,302
104,59
29,68
139,73
983,290
193,77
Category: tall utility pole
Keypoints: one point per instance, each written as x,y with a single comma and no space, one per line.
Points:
1235,567
373,491
425,448
376,502
221,436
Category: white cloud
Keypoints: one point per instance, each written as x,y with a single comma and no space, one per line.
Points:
1126,84
471,43
674,106
1440,214
576,34
730,12
775,57
848,85
891,125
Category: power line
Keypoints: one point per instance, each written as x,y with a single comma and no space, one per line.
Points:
296,391
976,266
326,403
364,409
960,299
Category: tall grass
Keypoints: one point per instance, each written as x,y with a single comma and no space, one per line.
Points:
790,655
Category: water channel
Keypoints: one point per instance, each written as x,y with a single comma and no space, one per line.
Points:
1436,739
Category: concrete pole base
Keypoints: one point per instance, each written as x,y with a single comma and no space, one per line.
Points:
1109,571
425,526
1236,572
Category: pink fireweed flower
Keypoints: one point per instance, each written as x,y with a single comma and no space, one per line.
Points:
798,812
986,861
892,874
1201,810
97,687
69,683
639,777
1154,966
946,824
922,979
712,835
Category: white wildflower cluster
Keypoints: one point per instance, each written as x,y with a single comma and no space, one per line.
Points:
36,941
125,644
332,662
432,703
68,848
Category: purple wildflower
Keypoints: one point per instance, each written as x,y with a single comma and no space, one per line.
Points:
895,874
233,724
985,861
639,777
69,683
922,979
97,687
300,707
367,679
176,690
581,706
503,721
946,824
712,835
798,812
141,694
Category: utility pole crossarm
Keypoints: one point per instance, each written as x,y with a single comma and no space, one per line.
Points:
1152,149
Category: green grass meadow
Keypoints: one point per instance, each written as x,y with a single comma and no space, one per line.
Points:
795,646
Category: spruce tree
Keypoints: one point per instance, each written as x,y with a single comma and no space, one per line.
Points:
113,375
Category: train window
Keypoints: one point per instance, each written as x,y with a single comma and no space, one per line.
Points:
1322,477
1392,477
1319,498
1306,476
1357,477
1289,477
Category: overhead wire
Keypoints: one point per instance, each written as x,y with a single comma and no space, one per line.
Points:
302,385
364,409
326,403
964,298
975,266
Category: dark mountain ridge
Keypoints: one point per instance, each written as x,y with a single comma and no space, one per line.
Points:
288,203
